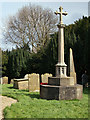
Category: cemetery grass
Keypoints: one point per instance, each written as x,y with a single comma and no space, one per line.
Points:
30,105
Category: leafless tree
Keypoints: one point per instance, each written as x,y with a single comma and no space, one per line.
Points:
32,25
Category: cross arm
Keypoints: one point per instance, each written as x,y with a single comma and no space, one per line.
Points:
65,13
56,12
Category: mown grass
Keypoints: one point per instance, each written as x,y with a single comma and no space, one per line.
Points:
30,105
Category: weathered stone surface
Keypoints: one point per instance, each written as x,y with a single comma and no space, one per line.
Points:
50,92
44,77
12,81
0,80
26,76
63,81
21,84
61,66
34,82
4,80
72,68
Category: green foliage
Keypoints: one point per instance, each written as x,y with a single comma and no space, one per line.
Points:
17,62
21,61
79,43
4,61
30,105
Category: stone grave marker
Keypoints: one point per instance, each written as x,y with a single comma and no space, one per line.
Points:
26,76
72,68
4,80
34,82
21,84
44,77
12,81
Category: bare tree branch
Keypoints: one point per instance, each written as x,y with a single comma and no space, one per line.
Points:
32,25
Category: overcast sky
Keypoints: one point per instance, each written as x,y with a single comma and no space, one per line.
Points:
75,10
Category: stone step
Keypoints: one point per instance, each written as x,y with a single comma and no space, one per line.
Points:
50,92
63,81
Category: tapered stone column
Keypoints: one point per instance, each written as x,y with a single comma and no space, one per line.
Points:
61,66
72,68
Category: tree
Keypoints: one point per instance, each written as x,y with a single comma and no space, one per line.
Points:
32,25
4,57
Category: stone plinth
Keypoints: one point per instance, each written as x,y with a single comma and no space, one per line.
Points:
21,84
51,92
61,88
63,81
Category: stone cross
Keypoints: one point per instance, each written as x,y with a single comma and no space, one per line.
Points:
61,13
61,66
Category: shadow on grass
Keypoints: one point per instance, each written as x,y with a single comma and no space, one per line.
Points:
18,89
10,87
33,95
86,90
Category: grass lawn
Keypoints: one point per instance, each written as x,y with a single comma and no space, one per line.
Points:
30,105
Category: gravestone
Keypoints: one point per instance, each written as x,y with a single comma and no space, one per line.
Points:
26,76
44,77
72,68
21,84
0,80
61,87
4,80
34,82
12,81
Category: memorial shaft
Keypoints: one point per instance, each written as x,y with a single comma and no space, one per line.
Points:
60,45
61,66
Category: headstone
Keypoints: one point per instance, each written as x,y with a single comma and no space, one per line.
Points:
21,84
44,77
4,80
1,80
34,82
72,68
26,76
12,81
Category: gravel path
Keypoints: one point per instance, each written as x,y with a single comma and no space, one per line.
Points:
5,101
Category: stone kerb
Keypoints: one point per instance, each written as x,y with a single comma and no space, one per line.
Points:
44,77
34,82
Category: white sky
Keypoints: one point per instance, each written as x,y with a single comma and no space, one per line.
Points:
75,10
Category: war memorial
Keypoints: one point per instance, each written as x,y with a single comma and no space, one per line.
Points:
62,87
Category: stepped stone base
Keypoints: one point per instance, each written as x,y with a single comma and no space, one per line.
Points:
51,92
63,81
